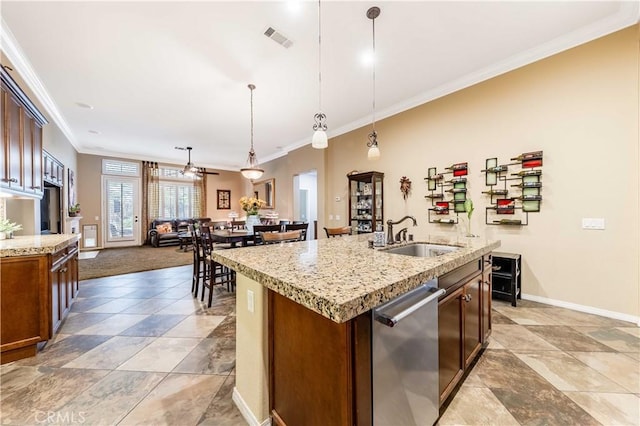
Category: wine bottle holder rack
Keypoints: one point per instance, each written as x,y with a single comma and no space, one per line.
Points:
503,181
452,181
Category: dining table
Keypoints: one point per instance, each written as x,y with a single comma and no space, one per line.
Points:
232,237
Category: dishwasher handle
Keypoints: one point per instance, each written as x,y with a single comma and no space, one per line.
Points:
390,321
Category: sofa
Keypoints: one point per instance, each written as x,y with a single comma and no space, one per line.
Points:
164,232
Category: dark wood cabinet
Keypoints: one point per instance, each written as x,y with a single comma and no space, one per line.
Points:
21,169
366,208
464,321
53,169
450,338
36,295
64,284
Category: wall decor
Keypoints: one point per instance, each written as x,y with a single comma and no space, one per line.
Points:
224,199
72,188
455,188
513,210
405,186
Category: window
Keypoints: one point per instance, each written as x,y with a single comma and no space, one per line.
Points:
179,197
120,168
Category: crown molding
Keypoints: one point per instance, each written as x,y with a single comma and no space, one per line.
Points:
22,66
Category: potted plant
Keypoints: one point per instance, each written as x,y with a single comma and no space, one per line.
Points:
7,228
468,207
74,210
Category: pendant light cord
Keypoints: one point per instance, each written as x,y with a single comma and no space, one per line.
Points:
251,119
374,74
319,57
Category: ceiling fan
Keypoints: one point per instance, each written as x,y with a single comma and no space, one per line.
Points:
190,170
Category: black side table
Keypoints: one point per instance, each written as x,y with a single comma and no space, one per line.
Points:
506,276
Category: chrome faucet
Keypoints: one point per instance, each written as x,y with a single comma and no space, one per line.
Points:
390,224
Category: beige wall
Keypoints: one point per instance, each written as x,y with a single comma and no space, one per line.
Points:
231,181
581,108
284,169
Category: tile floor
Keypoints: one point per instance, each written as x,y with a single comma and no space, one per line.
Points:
138,349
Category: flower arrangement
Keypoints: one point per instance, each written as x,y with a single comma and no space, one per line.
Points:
7,228
252,205
74,210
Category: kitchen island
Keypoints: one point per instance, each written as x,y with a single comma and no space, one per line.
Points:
303,349
38,284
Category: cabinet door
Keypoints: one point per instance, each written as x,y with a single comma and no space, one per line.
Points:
14,131
472,319
36,158
27,151
4,161
450,341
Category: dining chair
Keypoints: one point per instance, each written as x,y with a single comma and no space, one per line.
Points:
283,223
259,229
337,232
216,273
281,237
199,265
298,227
238,224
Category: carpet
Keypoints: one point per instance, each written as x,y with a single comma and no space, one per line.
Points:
124,260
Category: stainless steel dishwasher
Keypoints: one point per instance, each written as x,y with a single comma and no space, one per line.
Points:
405,358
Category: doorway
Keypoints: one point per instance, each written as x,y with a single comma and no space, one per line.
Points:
305,200
121,211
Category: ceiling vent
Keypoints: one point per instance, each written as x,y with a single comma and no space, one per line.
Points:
278,37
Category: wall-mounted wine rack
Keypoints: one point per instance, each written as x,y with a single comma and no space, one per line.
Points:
442,210
527,180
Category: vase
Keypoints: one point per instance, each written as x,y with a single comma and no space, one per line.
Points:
252,219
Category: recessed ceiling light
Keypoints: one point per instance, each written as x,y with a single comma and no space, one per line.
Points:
95,132
83,105
294,7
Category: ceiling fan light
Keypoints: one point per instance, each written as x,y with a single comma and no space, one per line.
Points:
319,140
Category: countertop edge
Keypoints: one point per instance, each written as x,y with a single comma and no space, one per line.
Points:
36,245
345,311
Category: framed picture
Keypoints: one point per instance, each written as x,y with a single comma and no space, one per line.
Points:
224,199
72,188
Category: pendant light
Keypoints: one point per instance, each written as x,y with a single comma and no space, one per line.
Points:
252,171
320,140
374,150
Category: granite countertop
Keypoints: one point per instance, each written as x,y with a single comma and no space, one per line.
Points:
341,278
30,245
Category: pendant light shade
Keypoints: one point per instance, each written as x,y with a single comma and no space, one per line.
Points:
252,170
374,150
320,140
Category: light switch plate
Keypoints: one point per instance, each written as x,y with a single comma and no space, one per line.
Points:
593,223
337,217
337,198
330,217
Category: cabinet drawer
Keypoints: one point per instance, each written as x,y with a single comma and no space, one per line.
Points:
460,275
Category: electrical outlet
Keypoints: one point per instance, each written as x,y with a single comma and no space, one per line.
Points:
337,217
97,218
330,217
593,223
250,302
337,198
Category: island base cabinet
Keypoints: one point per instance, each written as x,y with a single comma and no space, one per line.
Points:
24,300
450,336
320,370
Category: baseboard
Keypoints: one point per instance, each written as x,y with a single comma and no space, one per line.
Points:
246,412
583,308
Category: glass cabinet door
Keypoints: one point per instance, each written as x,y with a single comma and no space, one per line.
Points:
365,202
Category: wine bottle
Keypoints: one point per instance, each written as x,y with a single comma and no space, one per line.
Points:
529,198
496,192
434,196
456,190
438,176
528,156
529,185
457,166
508,221
445,221
496,169
440,209
457,180
527,173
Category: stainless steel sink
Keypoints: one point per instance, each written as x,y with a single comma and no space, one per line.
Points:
422,250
